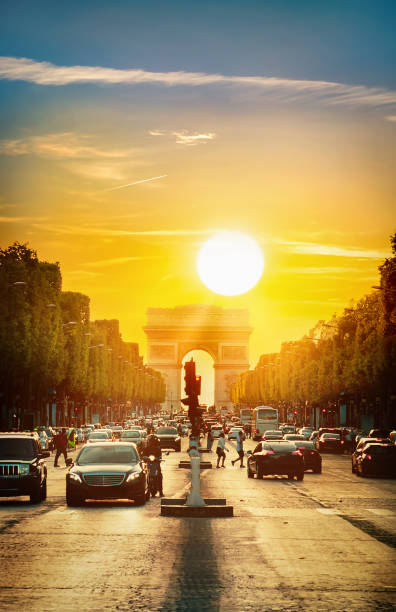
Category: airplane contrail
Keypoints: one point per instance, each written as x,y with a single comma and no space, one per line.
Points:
153,178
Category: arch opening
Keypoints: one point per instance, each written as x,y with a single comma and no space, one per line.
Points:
204,363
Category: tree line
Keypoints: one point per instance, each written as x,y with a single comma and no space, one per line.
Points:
50,349
351,359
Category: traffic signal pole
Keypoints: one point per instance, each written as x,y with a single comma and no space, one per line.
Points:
193,390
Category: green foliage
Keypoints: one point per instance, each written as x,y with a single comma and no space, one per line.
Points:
47,341
353,353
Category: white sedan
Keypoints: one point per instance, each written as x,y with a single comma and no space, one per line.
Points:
233,433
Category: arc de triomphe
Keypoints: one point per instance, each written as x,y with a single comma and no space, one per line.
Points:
173,332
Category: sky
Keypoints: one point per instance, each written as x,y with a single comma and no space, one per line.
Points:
132,132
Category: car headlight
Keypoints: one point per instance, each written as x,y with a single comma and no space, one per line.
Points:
24,469
75,477
133,476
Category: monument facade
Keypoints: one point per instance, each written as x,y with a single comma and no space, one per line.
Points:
174,332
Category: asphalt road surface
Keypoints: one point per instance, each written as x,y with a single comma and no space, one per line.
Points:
326,543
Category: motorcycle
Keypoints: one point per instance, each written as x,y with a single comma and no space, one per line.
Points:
154,474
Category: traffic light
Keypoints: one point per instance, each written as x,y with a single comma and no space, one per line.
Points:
192,389
324,410
189,377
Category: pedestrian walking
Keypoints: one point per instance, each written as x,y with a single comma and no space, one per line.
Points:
221,447
60,443
209,440
239,448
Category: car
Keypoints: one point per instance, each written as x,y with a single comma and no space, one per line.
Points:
168,438
377,459
313,435
133,436
117,429
360,446
312,459
293,437
142,430
51,433
329,442
22,467
80,438
110,470
275,434
305,431
216,430
108,432
233,433
275,457
98,436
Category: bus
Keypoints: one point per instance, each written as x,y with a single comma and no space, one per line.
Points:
245,416
263,419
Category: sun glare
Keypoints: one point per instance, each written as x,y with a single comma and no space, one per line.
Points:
230,263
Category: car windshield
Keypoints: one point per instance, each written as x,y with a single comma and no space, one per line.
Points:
130,434
331,435
379,449
17,448
303,444
98,435
279,447
294,437
166,430
107,454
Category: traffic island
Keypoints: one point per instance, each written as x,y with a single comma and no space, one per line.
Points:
204,465
214,508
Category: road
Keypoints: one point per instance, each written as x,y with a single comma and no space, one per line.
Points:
326,543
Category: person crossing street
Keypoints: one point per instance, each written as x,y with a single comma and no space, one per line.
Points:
239,448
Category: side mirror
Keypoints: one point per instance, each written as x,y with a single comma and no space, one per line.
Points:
249,452
69,461
166,452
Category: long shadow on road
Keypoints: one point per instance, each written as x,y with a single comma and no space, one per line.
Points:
194,583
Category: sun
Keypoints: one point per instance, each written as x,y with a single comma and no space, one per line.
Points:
230,263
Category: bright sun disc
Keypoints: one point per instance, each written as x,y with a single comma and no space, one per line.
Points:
230,263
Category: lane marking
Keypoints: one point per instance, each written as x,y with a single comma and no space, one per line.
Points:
381,512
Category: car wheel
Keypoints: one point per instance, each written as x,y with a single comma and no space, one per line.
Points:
35,496
290,476
260,472
140,500
249,473
317,470
44,490
178,449
72,499
300,475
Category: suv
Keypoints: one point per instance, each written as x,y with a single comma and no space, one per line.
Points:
22,467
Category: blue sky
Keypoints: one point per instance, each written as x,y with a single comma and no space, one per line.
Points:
301,156
347,41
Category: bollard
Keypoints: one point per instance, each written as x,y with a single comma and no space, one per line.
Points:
195,499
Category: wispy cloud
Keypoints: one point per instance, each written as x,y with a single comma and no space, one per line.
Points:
46,73
21,219
102,263
311,248
147,180
391,118
184,137
64,145
77,230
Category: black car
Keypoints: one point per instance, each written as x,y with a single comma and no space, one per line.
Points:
329,443
107,470
361,446
22,467
312,459
168,438
275,457
377,460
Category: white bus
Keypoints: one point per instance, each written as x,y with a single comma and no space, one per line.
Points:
245,416
263,419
